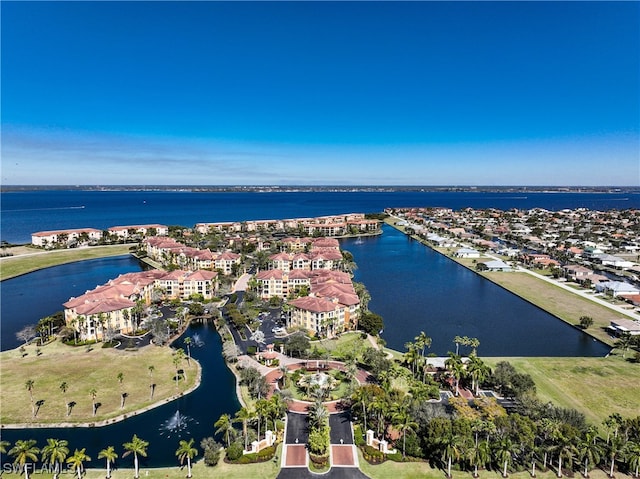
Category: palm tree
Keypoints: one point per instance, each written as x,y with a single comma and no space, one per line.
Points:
55,453
422,341
262,410
478,455
120,377
632,456
188,452
589,451
503,452
244,415
187,342
224,426
29,386
94,394
63,388
137,446
403,421
451,449
566,450
614,448
151,368
109,455
24,451
77,461
456,367
3,449
284,370
478,371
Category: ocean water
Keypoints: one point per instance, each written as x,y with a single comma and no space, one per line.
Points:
25,212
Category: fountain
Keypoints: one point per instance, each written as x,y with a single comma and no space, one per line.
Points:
176,425
319,379
197,340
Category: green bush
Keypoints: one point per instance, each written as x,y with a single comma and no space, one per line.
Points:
234,451
372,455
266,453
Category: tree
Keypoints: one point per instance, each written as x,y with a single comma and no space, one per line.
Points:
244,415
187,342
109,455
29,386
136,447
403,421
451,449
422,341
186,451
77,461
589,452
152,385
455,366
23,451
624,342
63,388
224,426
55,453
94,393
503,452
3,448
297,344
566,449
632,456
370,323
26,334
211,451
120,377
586,322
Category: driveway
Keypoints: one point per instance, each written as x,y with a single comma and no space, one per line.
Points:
334,473
297,429
341,432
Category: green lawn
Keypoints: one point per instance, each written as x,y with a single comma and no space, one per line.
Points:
84,370
13,266
596,387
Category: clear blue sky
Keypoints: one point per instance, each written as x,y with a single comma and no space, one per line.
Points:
415,93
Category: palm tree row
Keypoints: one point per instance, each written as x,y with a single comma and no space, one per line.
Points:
266,411
55,453
479,434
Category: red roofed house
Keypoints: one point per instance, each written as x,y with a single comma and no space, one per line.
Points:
65,237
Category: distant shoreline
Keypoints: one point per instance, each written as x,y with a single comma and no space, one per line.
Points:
329,188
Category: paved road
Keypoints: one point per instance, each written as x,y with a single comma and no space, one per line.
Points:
334,473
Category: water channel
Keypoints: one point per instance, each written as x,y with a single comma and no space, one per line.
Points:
412,287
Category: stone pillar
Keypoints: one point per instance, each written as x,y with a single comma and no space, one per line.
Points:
270,438
369,437
383,446
254,446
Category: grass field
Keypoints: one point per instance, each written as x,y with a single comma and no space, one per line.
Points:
597,387
84,370
27,260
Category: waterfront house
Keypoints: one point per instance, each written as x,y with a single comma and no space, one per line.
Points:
625,326
495,265
127,232
616,288
50,239
467,253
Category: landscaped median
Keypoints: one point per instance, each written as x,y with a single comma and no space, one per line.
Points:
27,260
32,391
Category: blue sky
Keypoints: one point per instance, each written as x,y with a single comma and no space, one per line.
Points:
289,93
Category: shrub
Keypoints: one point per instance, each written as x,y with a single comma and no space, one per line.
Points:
234,451
372,455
